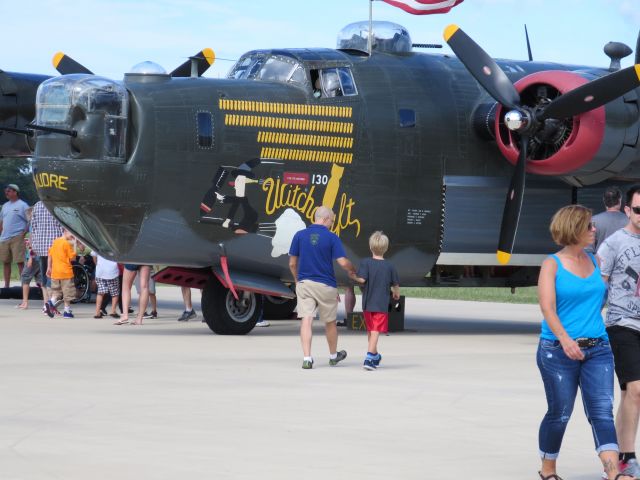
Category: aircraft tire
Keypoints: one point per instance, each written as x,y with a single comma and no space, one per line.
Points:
224,314
15,293
277,308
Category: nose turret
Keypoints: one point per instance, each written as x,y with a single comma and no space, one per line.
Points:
82,116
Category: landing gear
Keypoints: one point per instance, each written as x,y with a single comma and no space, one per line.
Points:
278,308
224,314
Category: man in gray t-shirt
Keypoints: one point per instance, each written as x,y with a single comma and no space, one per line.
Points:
620,264
611,220
619,257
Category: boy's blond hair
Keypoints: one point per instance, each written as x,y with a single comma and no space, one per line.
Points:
378,243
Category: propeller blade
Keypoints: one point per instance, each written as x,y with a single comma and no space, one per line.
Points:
637,50
512,206
593,94
67,65
204,59
483,68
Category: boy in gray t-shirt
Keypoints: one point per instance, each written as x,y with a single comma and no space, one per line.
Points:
379,277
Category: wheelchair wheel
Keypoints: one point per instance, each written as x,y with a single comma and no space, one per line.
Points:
82,282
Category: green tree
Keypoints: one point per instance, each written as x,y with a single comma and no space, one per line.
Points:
18,171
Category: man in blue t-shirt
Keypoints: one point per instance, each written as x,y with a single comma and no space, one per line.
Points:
311,257
13,227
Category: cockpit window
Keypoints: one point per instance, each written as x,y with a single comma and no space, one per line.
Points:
333,82
348,87
247,67
275,68
278,69
298,75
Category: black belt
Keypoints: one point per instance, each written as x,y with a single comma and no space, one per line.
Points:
587,342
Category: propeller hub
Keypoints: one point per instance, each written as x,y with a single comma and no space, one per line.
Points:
517,120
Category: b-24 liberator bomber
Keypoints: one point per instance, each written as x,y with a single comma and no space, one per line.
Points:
215,176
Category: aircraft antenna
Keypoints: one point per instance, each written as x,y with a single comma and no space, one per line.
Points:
369,38
526,34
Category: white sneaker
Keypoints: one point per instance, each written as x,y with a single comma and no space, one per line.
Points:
263,323
630,468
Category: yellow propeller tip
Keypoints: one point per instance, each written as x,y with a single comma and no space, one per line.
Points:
503,257
209,55
450,31
57,58
637,69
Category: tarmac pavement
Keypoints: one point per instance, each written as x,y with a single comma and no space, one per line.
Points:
458,395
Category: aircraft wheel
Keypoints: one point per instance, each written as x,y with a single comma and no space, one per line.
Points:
224,314
278,308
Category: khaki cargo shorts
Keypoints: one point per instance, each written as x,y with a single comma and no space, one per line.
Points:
12,250
66,287
315,295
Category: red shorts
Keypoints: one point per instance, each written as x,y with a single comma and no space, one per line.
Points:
376,321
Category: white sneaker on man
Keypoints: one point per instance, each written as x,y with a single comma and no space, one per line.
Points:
263,323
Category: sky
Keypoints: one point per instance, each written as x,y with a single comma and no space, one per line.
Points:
109,37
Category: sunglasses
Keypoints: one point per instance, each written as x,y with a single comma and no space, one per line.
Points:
636,210
591,226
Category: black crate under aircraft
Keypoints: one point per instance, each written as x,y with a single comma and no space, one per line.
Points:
214,176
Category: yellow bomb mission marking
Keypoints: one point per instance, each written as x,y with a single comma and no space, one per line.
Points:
285,108
50,180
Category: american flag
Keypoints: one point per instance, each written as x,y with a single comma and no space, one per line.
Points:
424,7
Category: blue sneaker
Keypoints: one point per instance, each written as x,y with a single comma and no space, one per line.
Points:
376,360
368,364
68,315
49,308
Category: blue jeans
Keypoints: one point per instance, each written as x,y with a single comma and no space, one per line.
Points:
562,377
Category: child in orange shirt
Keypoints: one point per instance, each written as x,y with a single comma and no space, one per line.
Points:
59,269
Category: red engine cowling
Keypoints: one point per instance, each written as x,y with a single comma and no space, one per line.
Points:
589,147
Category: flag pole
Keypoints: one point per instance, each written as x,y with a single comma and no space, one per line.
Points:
369,42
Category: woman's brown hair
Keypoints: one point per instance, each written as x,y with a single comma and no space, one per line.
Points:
569,223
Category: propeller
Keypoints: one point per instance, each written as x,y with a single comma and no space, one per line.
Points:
485,70
203,60
527,121
195,66
593,94
66,65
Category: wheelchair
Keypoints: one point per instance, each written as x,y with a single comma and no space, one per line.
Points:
82,278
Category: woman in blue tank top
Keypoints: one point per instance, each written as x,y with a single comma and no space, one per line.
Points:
574,349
